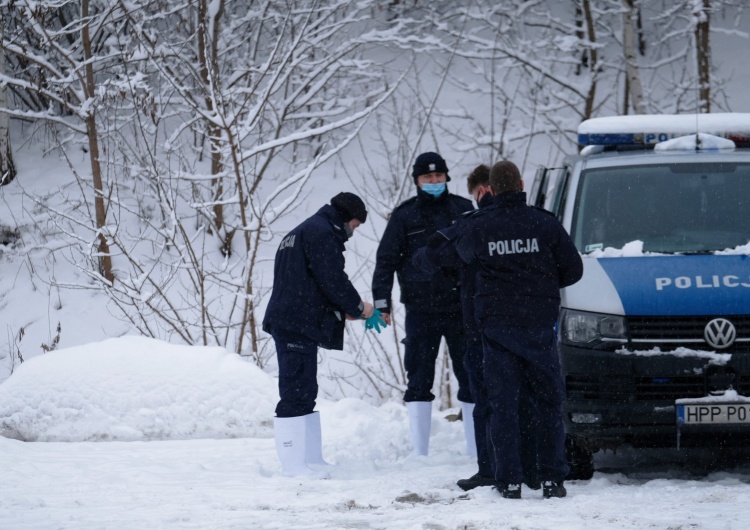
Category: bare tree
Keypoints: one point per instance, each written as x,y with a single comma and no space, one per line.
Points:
593,54
88,84
272,106
702,17
66,56
634,88
7,168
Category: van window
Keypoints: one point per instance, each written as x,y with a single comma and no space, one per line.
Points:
560,179
670,207
536,195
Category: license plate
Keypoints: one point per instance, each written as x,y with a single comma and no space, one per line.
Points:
713,413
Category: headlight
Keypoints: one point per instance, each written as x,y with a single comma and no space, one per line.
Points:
581,327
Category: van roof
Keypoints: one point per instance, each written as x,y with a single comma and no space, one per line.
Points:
600,157
643,131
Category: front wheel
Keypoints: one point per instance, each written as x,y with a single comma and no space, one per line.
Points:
580,459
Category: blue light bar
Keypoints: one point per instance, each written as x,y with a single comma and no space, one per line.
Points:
650,129
625,138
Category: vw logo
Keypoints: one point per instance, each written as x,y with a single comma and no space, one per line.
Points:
720,333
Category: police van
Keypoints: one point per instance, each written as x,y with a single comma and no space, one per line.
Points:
655,338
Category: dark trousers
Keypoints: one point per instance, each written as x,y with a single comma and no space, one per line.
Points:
519,360
298,369
474,364
422,343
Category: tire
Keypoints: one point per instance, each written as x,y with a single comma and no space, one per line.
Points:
580,459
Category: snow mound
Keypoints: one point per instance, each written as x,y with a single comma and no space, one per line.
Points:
629,250
136,388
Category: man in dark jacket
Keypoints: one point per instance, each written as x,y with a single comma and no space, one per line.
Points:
433,306
311,299
441,252
525,257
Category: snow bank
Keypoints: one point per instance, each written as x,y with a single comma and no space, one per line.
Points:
136,388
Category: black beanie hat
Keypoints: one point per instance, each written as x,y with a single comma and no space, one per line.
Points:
349,207
429,163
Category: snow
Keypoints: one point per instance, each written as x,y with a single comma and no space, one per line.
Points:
129,389
742,249
628,250
736,122
713,357
728,396
212,462
634,249
693,141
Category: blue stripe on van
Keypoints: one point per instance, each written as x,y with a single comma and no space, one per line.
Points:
681,285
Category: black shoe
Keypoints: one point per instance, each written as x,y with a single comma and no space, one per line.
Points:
552,489
475,481
510,491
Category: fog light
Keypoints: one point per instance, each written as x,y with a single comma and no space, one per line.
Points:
578,417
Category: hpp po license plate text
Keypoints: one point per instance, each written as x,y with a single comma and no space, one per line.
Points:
713,413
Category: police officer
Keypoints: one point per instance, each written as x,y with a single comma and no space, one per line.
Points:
440,252
311,298
524,257
433,307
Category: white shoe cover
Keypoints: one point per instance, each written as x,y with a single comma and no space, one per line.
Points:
314,442
290,445
467,412
420,420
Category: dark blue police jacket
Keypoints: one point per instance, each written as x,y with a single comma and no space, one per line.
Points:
410,226
311,292
524,257
440,251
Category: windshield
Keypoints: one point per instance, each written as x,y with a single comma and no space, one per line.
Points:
696,207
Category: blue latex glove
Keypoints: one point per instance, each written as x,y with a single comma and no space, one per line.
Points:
375,321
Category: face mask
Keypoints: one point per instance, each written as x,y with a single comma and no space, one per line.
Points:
349,230
436,190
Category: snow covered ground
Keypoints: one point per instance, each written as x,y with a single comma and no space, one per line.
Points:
197,451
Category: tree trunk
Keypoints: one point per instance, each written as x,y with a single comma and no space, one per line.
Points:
593,57
7,167
207,52
702,13
635,89
105,259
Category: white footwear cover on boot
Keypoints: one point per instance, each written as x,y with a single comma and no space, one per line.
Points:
467,412
420,419
290,445
314,442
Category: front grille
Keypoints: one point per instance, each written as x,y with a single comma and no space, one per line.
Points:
591,387
641,388
680,328
668,333
743,385
669,388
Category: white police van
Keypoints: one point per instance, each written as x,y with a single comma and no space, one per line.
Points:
655,338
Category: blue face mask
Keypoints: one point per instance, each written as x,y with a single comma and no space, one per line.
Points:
436,190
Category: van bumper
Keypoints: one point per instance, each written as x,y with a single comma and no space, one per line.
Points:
622,397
